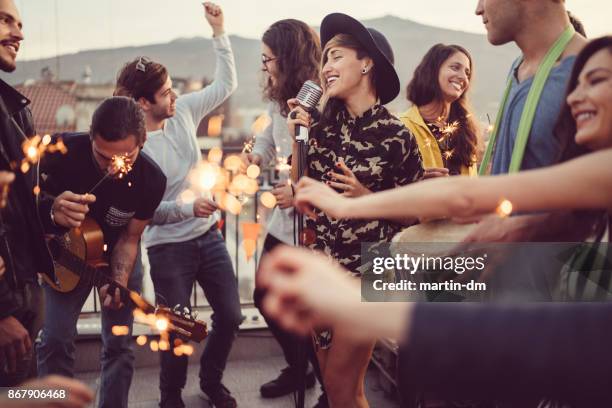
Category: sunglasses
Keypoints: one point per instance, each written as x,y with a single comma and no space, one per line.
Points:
142,63
265,59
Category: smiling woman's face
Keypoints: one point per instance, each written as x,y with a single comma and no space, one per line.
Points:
591,102
454,76
342,72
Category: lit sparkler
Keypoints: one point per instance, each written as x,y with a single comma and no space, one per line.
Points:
119,167
282,164
248,145
449,129
36,147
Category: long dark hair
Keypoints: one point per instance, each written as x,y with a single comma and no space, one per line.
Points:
297,48
424,88
591,223
565,129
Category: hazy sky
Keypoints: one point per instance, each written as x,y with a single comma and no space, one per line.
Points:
67,26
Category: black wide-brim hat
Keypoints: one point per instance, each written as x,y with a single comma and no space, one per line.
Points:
376,45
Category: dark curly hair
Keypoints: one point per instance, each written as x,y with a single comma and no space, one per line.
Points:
297,48
424,88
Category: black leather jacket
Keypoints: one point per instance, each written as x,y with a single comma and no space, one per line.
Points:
37,218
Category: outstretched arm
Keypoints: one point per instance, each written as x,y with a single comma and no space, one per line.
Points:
582,183
225,82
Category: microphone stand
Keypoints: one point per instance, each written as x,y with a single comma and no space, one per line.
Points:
301,137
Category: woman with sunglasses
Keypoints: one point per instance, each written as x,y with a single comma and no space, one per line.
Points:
290,55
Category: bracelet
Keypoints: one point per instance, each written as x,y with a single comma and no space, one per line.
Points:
52,216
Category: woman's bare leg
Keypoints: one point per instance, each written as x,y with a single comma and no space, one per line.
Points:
344,372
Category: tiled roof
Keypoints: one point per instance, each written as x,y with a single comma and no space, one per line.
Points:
47,99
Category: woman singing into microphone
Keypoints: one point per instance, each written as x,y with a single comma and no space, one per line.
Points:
357,147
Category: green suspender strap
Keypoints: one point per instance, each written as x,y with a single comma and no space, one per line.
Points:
533,98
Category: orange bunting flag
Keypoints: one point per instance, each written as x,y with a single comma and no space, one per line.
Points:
250,232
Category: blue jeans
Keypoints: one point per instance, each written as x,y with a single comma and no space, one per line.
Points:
175,267
56,351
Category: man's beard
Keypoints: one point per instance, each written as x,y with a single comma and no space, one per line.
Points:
7,66
163,115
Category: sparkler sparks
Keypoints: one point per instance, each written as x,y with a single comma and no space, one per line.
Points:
248,145
119,167
36,147
282,164
449,129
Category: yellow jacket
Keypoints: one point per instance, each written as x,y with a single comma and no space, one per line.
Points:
428,145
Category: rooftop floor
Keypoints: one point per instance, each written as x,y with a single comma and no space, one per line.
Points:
244,375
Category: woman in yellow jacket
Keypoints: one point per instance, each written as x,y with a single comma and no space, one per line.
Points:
440,117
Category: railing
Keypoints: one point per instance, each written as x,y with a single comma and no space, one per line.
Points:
252,211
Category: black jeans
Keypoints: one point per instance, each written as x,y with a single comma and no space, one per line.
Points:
174,269
290,343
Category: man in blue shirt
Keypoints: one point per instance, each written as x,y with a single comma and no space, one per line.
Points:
534,26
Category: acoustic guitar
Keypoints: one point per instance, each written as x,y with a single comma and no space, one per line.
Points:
78,257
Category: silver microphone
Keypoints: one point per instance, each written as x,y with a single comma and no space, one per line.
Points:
308,98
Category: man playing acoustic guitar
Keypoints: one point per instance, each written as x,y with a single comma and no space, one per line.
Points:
128,186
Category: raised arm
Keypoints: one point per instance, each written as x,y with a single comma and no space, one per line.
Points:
225,82
582,183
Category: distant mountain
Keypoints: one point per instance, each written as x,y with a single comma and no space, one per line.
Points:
194,58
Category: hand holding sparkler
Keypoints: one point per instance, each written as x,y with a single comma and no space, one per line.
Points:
204,207
69,209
